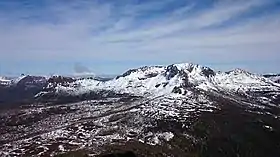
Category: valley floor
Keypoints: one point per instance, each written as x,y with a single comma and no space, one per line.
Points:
139,127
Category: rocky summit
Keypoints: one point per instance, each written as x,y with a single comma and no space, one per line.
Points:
175,110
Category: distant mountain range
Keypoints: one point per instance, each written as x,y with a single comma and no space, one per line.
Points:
153,80
23,89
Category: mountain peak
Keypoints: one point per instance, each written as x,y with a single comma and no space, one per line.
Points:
239,71
143,71
169,71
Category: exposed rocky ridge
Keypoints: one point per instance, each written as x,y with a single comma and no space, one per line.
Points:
273,77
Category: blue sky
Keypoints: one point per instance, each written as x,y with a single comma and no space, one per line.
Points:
111,36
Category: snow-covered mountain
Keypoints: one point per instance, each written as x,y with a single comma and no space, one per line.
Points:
176,80
22,80
20,89
173,80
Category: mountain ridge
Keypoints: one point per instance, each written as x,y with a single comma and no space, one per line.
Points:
174,79
151,78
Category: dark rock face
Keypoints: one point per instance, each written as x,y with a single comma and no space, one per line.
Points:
15,94
157,85
33,81
274,77
171,71
208,72
177,90
151,75
271,75
55,98
23,91
60,80
186,83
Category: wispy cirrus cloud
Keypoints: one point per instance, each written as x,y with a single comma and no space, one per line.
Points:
145,32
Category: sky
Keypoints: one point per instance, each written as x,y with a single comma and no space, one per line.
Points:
43,37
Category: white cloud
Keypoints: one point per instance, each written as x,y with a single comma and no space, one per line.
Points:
105,31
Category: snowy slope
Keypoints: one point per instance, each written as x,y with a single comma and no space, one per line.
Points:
23,80
4,81
10,81
273,77
18,79
276,79
240,80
